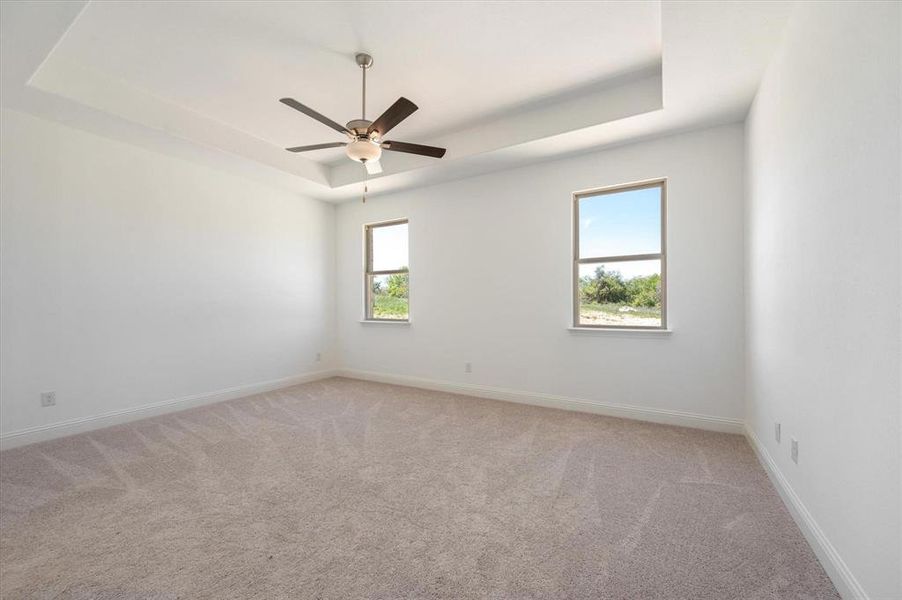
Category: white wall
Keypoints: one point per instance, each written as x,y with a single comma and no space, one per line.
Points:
490,261
130,278
823,230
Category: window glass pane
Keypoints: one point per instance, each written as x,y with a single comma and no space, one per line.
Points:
390,247
389,296
625,294
620,223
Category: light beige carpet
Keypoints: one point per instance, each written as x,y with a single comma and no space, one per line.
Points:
346,489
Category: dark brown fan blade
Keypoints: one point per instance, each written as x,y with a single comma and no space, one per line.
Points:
414,149
317,147
396,113
313,114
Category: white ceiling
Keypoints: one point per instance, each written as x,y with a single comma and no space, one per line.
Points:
497,83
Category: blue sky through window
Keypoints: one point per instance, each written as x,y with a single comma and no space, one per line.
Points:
619,224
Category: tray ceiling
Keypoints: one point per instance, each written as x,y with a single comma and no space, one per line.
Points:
493,80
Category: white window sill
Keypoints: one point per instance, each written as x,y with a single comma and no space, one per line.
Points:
384,322
621,330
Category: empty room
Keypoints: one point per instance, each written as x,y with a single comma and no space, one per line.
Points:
451,300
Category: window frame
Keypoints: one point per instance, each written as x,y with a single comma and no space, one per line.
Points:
577,260
369,273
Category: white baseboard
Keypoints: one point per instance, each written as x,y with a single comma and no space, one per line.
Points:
50,431
846,583
655,415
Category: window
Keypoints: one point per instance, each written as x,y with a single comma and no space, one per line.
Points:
386,276
619,258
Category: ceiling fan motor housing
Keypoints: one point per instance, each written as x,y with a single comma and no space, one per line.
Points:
359,127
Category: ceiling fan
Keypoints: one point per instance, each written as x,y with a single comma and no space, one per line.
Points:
366,138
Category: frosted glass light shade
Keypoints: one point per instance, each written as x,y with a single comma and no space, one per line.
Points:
364,150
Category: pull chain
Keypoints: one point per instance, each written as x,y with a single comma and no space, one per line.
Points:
365,183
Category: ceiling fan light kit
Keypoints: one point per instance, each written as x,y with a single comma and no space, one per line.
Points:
363,150
365,138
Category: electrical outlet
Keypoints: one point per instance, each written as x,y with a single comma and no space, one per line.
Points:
319,357
48,398
777,432
794,450
468,367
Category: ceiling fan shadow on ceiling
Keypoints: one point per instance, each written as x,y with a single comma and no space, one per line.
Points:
366,138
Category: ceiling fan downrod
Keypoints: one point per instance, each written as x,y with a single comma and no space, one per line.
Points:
364,61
